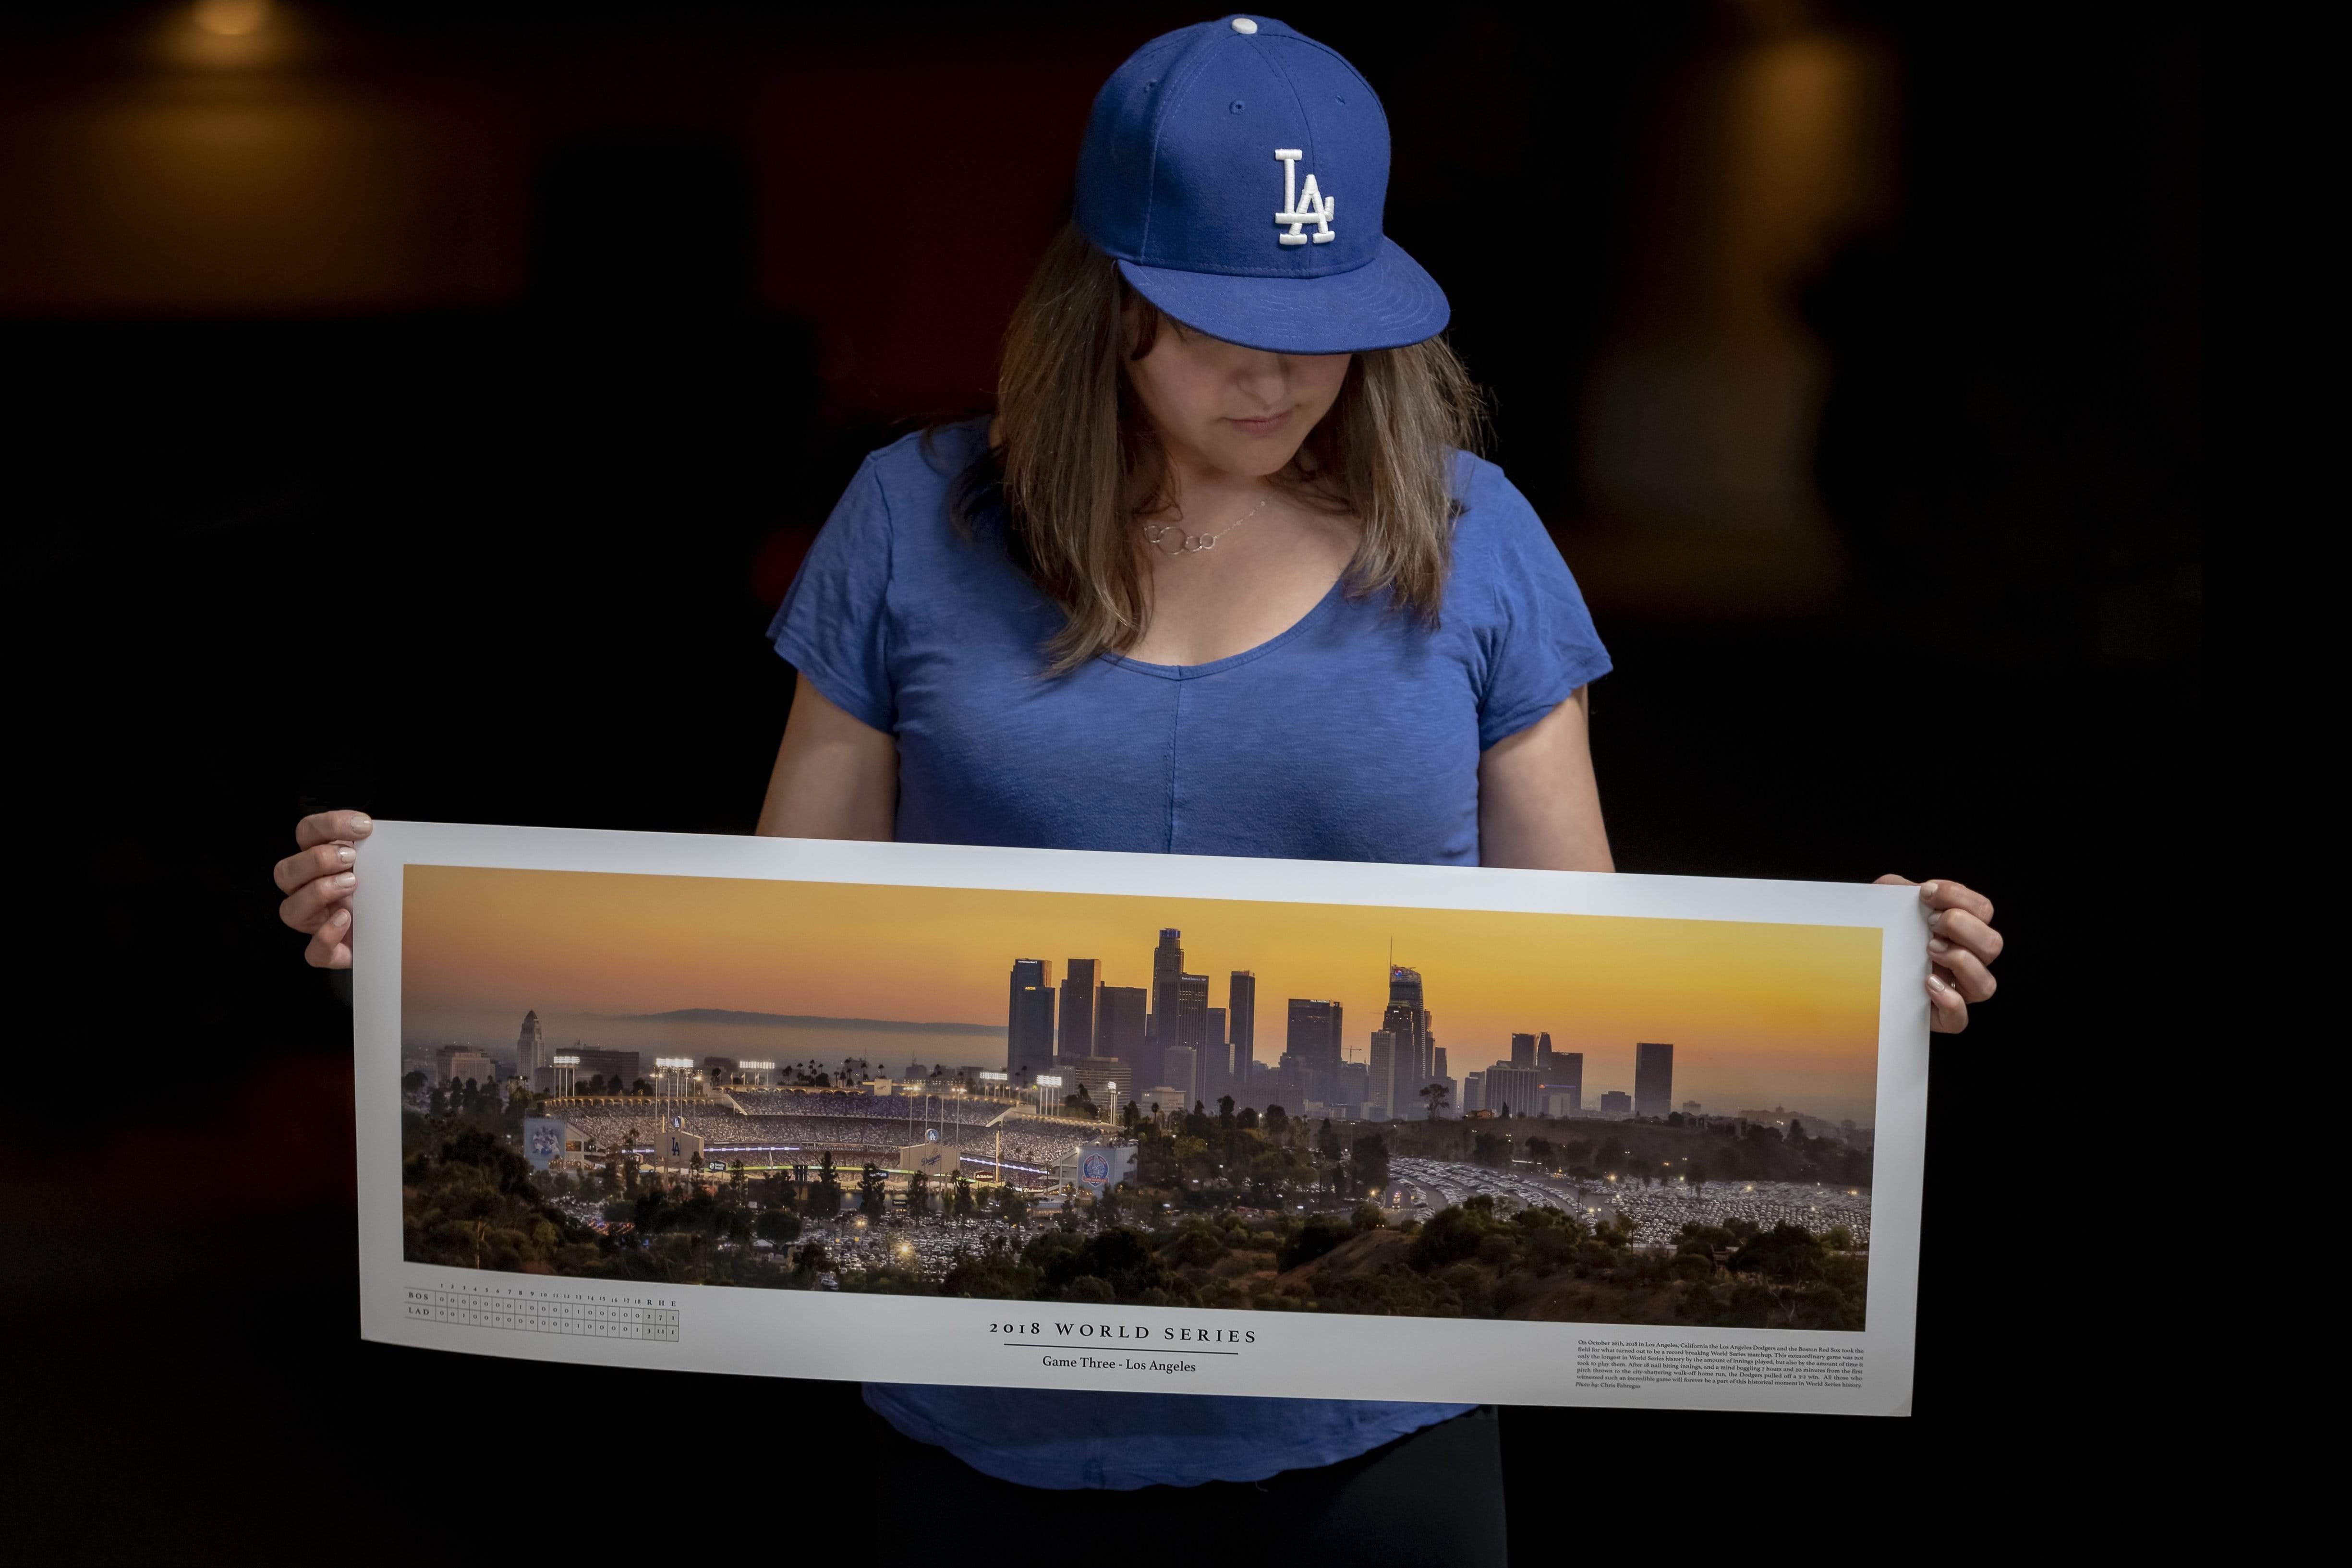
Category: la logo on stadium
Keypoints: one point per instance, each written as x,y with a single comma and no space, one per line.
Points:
1299,207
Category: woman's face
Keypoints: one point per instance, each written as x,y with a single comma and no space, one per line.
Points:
1239,411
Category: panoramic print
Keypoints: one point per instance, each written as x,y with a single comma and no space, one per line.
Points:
1067,1097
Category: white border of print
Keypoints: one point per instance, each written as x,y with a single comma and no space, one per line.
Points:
902,1339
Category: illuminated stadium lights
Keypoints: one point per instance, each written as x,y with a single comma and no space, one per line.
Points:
988,1077
1050,1081
756,1066
565,1061
674,1064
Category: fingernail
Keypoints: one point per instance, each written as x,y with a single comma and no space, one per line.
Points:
1936,983
367,824
1938,946
1934,917
345,853
346,879
1927,889
339,919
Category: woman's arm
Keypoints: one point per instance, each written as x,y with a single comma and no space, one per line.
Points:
834,777
1538,805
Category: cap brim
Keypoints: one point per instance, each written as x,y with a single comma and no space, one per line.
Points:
1385,304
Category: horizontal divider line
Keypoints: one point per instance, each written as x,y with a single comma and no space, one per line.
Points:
1099,1345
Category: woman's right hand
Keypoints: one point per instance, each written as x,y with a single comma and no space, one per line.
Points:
317,880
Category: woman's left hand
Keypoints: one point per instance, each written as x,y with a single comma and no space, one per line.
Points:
1961,946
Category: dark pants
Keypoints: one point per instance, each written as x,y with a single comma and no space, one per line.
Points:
1433,1498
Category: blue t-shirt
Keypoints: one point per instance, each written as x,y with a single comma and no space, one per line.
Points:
1353,735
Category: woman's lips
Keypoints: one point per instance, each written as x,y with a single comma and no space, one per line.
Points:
1265,426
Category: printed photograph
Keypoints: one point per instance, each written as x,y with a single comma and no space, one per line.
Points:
1106,1098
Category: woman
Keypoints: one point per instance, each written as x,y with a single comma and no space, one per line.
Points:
1220,578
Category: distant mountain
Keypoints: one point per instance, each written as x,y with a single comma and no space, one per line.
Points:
800,1020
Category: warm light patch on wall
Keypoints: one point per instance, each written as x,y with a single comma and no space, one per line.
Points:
232,18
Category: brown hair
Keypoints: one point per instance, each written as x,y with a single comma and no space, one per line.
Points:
1073,449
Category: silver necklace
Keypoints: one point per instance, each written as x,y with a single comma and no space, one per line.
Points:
1193,544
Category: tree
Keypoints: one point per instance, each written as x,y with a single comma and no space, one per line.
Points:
918,1195
1368,1163
1436,1093
410,1082
1696,1176
1226,1111
873,1192
1277,1121
1012,1205
963,1199
1326,1141
824,1199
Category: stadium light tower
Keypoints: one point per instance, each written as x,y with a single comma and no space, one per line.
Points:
566,1068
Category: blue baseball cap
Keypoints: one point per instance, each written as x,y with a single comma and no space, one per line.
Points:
1238,171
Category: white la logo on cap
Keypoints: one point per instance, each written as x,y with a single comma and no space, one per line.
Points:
1300,208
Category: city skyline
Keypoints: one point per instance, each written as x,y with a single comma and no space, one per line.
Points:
1764,1013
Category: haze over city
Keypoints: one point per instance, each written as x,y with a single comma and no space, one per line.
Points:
1761,1014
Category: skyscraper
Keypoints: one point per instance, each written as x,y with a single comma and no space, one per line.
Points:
1543,1052
1191,1012
1241,1024
1181,1073
1407,1017
1381,1098
531,1049
1567,1072
1167,968
1523,1051
1119,1025
1077,1034
1215,1065
1653,1079
1512,1089
1029,1016
1311,1052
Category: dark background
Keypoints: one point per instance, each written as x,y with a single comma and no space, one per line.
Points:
422,408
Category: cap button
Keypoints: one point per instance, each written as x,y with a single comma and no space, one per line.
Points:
1243,25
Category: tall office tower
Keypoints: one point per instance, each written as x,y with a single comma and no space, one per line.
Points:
1029,1016
1653,1079
1167,968
1543,1052
1181,1071
1352,1085
1216,1071
1076,1035
1241,1025
1437,1059
1311,1052
1407,1019
1119,1025
1191,1012
1568,1072
531,1049
1379,1101
1523,1051
1616,1103
1474,1092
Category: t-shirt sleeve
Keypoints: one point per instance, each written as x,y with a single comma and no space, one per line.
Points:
834,625
1539,641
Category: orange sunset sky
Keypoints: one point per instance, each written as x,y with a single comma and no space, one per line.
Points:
1759,1014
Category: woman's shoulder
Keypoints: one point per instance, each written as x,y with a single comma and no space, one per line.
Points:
916,471
1496,528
